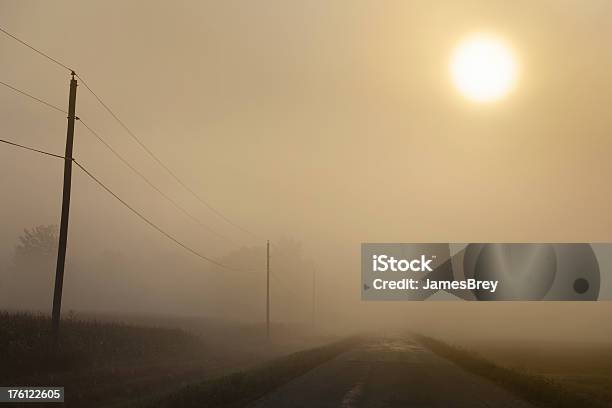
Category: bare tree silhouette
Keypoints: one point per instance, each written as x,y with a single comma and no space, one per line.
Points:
30,280
39,242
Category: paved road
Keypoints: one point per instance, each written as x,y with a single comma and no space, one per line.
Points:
389,372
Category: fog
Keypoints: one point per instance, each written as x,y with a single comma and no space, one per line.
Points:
317,125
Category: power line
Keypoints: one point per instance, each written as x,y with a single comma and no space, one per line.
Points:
148,221
120,157
31,149
167,235
151,223
161,163
35,49
159,229
57,108
127,129
151,184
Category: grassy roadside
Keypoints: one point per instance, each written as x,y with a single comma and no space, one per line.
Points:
539,390
27,354
238,389
97,362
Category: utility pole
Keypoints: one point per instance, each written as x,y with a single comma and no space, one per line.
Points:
314,296
63,237
268,290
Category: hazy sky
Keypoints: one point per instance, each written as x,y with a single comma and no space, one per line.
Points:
332,123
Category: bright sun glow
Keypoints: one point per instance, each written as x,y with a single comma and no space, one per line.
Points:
483,68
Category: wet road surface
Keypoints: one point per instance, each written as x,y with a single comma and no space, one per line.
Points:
389,372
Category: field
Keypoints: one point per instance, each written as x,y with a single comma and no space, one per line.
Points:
583,367
102,362
549,374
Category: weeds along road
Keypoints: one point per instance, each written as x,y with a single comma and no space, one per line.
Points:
389,372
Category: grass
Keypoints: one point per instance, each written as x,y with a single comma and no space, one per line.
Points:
102,362
239,389
106,363
585,367
26,345
541,390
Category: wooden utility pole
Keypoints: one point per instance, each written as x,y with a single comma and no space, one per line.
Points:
63,237
314,295
268,290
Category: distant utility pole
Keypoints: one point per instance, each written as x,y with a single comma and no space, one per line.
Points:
314,295
268,290
63,238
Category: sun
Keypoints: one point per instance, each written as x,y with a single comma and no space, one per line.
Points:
483,68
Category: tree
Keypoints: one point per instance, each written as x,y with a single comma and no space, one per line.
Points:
37,245
30,282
